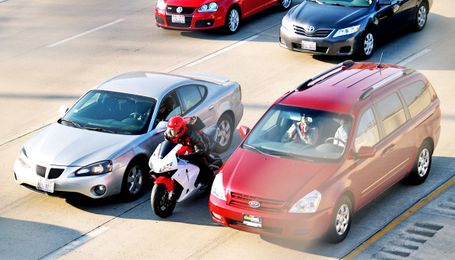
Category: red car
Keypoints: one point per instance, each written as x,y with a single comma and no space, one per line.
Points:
210,14
326,149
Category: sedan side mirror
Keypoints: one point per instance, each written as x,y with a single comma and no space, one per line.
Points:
62,111
385,2
244,131
161,127
365,152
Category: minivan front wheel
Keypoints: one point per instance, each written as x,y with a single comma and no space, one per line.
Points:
422,165
341,221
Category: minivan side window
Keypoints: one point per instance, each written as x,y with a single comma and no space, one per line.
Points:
417,97
367,132
391,113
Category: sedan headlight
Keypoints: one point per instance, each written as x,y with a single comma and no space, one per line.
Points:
210,7
160,4
95,169
347,31
218,188
23,158
286,23
308,204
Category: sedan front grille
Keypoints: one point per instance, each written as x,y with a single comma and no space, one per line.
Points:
187,23
55,173
185,10
241,201
321,33
41,170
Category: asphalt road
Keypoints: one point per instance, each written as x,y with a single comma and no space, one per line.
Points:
51,52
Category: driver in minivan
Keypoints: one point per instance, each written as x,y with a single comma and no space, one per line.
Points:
303,131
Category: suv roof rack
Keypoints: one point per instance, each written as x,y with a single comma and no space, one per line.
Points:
306,84
384,81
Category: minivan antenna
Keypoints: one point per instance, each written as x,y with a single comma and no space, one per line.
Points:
380,61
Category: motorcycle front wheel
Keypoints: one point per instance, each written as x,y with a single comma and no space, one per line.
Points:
162,203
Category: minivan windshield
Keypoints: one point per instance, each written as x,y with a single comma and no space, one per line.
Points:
111,112
300,133
352,3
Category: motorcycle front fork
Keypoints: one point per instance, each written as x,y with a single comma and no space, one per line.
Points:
176,192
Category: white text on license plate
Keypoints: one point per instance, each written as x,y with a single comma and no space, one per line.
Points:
252,221
306,45
177,18
45,186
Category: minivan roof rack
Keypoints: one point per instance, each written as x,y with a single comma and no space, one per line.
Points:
384,81
343,65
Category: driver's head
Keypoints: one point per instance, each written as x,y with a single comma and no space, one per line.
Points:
176,127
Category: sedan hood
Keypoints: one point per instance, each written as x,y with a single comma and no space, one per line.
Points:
327,16
275,178
68,146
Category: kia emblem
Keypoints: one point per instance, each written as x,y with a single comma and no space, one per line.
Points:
254,204
179,9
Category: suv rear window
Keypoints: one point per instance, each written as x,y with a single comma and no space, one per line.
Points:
391,113
417,97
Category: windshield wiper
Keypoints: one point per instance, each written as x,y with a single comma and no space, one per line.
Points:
99,129
74,124
316,1
254,148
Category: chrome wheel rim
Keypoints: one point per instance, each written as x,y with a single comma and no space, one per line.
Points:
223,133
135,180
422,16
342,219
368,44
234,20
423,162
286,3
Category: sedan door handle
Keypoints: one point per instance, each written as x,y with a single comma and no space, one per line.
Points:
211,107
388,149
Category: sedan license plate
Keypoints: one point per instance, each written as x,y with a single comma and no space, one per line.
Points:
306,45
177,18
45,186
252,221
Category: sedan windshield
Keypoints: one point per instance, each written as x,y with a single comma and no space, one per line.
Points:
300,133
354,3
111,112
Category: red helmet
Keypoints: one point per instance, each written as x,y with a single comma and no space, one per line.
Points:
176,127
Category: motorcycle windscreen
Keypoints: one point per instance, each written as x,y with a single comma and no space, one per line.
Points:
164,157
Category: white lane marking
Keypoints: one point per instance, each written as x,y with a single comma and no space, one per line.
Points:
414,57
75,243
85,33
235,45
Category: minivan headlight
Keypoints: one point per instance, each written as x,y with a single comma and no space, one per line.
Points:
308,204
95,169
160,4
218,188
347,31
210,7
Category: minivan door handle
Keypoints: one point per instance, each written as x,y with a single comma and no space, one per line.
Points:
211,107
388,149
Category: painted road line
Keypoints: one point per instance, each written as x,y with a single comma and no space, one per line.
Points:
212,55
75,243
85,33
413,57
400,219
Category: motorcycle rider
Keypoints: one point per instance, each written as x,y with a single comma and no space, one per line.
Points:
186,131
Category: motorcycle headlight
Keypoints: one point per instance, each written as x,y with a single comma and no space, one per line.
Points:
347,31
286,23
160,4
308,204
210,7
23,158
218,188
95,169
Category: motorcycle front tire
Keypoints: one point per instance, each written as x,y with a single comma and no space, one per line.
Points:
161,203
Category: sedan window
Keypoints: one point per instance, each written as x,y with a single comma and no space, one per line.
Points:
191,96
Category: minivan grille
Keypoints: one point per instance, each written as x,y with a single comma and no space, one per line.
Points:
321,33
241,201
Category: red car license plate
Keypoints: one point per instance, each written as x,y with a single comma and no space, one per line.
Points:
178,18
252,221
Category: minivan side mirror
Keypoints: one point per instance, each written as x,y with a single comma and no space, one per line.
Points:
385,2
62,111
365,152
161,127
244,130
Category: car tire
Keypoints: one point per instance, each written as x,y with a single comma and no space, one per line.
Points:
341,221
285,5
161,204
134,181
422,165
223,133
232,22
421,17
366,45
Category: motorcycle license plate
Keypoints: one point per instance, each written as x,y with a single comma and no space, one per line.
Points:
45,186
252,221
306,45
177,18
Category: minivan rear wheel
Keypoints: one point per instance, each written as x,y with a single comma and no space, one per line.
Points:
422,165
341,221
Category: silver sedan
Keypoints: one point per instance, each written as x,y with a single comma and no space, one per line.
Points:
101,145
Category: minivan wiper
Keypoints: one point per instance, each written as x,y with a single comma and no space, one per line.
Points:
74,124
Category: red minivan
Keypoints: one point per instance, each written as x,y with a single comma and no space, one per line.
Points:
326,149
